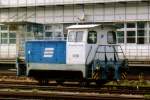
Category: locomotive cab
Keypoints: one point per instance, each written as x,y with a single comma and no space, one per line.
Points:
82,41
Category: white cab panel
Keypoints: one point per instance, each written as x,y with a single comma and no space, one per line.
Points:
76,46
75,53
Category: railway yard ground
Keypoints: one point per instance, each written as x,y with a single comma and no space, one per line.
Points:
135,87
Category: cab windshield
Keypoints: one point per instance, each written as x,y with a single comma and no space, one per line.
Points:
75,36
92,37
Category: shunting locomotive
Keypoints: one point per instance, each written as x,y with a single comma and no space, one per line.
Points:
88,53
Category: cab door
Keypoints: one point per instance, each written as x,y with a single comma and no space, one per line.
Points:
76,47
91,46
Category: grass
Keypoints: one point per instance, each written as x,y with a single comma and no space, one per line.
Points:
132,83
147,96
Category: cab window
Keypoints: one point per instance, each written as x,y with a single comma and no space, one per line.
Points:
92,37
75,36
111,37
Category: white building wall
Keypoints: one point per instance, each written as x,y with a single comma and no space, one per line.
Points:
49,14
30,2
31,15
143,11
131,12
54,12
8,3
20,2
120,12
109,12
78,11
58,14
40,15
115,12
12,15
68,14
99,13
22,14
4,15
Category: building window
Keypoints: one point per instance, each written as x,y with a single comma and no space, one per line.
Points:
35,28
120,36
4,28
4,38
12,38
58,34
130,25
29,28
13,28
131,37
38,35
133,32
30,35
140,37
48,34
140,25
120,25
48,27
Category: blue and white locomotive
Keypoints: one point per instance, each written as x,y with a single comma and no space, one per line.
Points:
88,53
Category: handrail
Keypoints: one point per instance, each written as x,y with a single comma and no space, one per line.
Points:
88,55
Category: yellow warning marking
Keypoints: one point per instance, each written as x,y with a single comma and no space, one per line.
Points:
95,75
123,75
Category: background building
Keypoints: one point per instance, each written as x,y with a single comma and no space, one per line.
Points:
37,19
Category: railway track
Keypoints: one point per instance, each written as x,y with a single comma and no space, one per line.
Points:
8,77
25,88
61,92
105,89
132,84
68,96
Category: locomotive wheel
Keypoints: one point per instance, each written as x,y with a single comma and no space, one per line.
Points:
84,83
60,82
111,73
100,82
43,81
22,70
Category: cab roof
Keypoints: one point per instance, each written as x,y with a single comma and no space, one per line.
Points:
83,26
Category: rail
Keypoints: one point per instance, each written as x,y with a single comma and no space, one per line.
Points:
66,96
49,92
